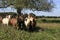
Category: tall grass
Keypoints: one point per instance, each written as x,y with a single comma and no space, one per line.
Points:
9,33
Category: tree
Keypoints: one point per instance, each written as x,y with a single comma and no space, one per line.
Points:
41,5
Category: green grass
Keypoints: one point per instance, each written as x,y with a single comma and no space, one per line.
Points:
9,33
48,20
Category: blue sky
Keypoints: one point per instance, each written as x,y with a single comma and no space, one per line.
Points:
55,12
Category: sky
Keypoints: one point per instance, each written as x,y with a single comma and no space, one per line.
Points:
55,11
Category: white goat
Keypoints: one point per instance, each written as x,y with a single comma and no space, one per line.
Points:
28,21
6,20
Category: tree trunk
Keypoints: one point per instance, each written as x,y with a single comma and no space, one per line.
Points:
19,11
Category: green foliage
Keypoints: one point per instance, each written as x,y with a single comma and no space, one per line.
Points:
32,4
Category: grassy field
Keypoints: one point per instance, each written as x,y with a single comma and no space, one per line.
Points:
48,20
43,31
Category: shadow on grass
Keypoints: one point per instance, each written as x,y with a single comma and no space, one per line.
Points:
34,29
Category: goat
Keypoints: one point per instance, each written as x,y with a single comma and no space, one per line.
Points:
6,20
